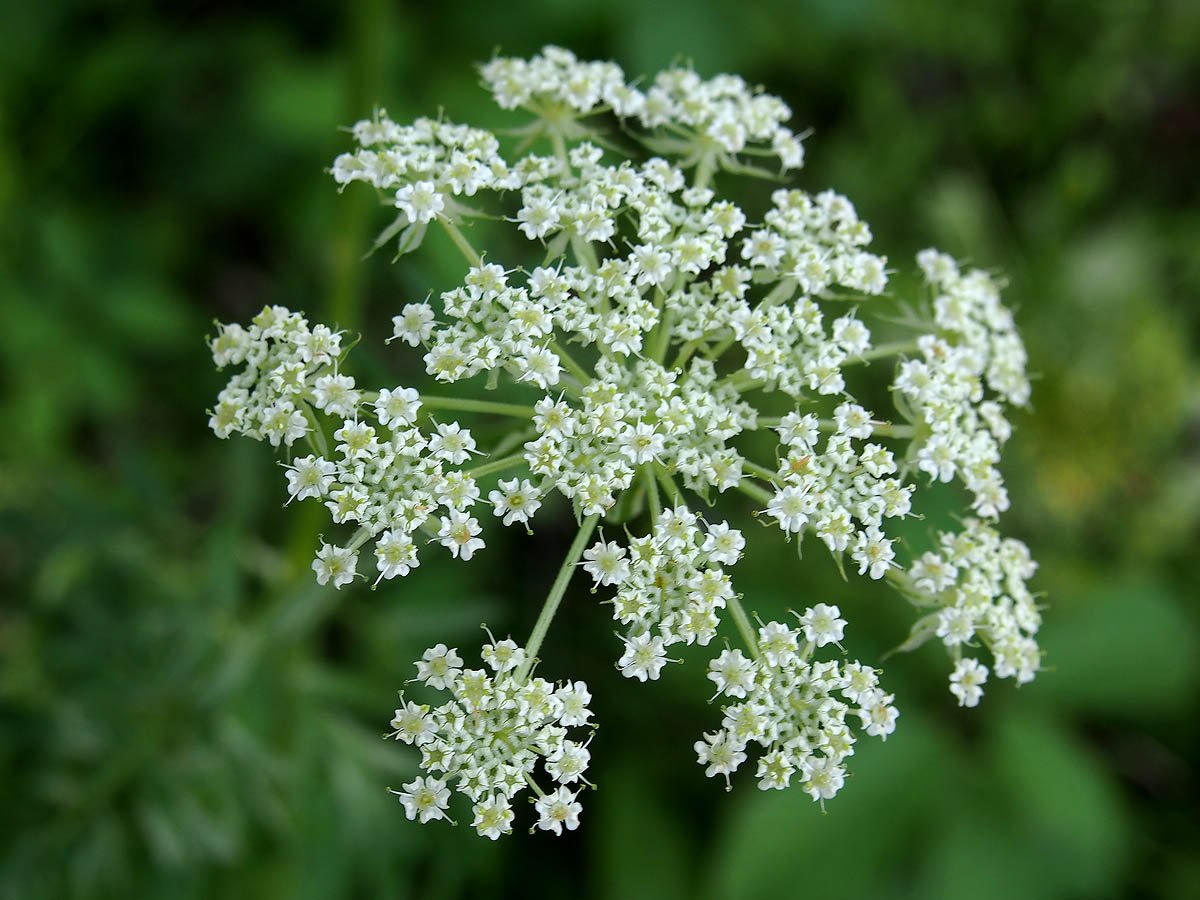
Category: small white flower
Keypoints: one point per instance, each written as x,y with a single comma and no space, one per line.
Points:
439,666
459,533
425,799
336,564
515,501
823,624
606,563
493,817
643,658
967,680
558,810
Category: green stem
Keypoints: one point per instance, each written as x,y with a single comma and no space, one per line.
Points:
557,590
652,491
316,436
461,242
882,429
742,621
762,472
496,465
885,350
465,404
571,363
762,495
705,170
743,381
668,483
685,353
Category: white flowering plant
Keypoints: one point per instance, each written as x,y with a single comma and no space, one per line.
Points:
663,327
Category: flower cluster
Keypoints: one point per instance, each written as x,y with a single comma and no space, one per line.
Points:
975,349
794,707
671,586
840,492
978,581
654,340
500,727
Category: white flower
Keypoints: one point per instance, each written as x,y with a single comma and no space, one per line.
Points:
396,554
668,328
643,658
823,624
398,407
606,563
310,476
336,564
414,325
732,673
420,202
723,544
493,817
515,501
452,443
967,680
791,507
558,810
425,798
439,667
459,533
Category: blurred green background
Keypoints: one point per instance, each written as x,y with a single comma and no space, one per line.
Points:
184,713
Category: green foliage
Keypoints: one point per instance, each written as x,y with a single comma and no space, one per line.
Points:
183,713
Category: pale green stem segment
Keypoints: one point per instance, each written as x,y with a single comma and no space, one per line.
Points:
762,495
742,621
882,429
685,352
652,491
705,170
360,537
461,242
743,381
762,472
315,434
464,404
571,363
496,465
662,337
557,590
885,350
668,483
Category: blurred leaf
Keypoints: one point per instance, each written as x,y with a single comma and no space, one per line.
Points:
1128,651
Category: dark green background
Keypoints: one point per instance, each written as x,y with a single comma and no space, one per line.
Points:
183,713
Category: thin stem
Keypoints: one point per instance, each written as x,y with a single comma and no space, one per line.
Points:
882,429
571,363
496,465
705,170
668,483
652,491
742,621
465,404
316,434
557,590
885,350
743,381
762,495
461,242
685,352
762,472
662,337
